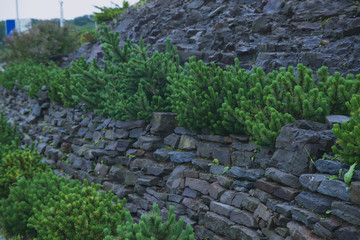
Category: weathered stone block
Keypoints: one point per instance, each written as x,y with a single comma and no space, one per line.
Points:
239,199
263,212
221,208
101,170
216,190
223,155
315,202
322,231
242,159
306,217
300,232
187,142
190,193
227,197
244,218
245,174
335,188
218,224
243,233
312,181
148,143
355,193
287,179
172,140
346,211
163,122
349,232
181,157
198,185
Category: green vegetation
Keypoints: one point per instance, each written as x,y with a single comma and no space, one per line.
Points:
348,138
77,212
19,163
25,197
109,14
233,100
130,86
43,40
9,137
152,227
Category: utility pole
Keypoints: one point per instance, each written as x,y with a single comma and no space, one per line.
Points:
61,13
17,25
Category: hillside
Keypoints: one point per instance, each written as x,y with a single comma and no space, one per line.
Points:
269,34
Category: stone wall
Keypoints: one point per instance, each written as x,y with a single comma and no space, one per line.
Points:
267,33
251,193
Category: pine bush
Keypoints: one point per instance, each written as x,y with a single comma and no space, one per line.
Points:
9,137
25,196
19,163
348,134
78,212
152,227
131,85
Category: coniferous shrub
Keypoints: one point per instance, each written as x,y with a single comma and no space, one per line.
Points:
9,137
25,196
348,135
34,75
19,163
235,101
131,85
152,227
108,14
78,212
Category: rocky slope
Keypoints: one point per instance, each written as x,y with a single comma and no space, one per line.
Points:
268,33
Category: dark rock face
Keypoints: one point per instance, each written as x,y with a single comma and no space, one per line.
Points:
269,34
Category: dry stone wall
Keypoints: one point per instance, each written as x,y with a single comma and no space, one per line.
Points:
251,193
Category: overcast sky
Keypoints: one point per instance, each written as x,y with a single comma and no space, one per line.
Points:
48,9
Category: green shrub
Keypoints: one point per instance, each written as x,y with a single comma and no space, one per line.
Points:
108,14
152,227
9,137
25,196
130,86
34,75
16,164
348,135
235,101
78,212
44,39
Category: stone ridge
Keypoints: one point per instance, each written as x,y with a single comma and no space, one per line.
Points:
243,197
269,34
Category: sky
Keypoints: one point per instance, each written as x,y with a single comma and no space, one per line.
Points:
49,9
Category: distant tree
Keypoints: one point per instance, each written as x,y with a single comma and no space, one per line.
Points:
81,21
2,30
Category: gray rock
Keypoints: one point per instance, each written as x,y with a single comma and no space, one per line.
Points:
184,131
243,233
335,188
243,218
148,143
312,181
181,157
328,166
242,159
190,193
163,123
282,177
315,202
130,124
162,154
172,140
306,217
101,170
221,208
349,232
135,133
348,212
245,174
198,185
187,142
336,119
218,224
